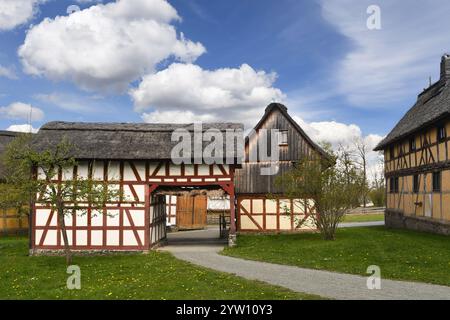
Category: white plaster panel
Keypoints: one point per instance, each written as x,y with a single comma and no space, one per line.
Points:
81,237
112,237
97,237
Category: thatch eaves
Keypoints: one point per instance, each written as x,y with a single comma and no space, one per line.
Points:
432,105
121,141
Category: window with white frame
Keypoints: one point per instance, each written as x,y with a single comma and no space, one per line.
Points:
283,137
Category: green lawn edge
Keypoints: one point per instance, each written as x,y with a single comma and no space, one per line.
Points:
153,276
401,254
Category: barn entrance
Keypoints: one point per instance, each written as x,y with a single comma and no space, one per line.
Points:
191,212
189,226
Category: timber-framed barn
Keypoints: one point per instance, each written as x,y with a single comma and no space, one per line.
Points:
417,161
11,222
261,204
137,158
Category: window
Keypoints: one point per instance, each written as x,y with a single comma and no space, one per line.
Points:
393,185
416,183
392,152
436,181
412,144
283,137
441,134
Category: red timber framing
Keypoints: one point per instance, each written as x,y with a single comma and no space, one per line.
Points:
135,223
257,213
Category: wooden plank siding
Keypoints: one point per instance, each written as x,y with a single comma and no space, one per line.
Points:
256,212
249,180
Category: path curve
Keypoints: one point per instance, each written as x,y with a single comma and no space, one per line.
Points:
323,283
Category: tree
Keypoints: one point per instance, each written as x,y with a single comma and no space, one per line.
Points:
362,151
377,193
328,186
37,176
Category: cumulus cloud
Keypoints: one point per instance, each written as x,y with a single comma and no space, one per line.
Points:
23,111
226,93
14,13
107,46
346,136
8,72
388,65
176,117
22,128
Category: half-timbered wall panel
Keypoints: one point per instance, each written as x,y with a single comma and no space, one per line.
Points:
431,155
171,210
135,222
257,213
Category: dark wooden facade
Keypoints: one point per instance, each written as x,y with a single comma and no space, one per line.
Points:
255,211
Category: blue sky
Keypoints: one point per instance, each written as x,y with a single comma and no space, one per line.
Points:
183,61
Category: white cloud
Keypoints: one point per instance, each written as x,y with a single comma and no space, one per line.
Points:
87,1
176,117
225,94
344,135
14,13
392,64
22,128
19,110
8,72
106,46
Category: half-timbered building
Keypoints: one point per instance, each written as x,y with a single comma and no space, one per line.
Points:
11,222
261,204
417,161
137,159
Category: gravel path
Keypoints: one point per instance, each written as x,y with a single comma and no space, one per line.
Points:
323,283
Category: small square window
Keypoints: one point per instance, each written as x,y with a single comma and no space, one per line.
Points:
393,185
412,144
416,183
441,133
436,181
283,137
392,152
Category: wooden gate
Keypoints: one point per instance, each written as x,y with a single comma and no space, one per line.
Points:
191,212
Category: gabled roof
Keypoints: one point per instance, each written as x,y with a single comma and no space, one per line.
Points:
114,141
283,109
432,105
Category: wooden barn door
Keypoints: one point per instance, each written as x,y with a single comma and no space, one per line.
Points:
191,212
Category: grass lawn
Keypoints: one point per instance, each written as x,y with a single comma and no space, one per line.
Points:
401,254
363,217
156,275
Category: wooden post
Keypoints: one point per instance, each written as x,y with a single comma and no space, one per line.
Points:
229,188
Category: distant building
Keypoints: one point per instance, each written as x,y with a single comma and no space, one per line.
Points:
417,161
10,221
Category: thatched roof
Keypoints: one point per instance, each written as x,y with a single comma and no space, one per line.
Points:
5,138
432,105
114,141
